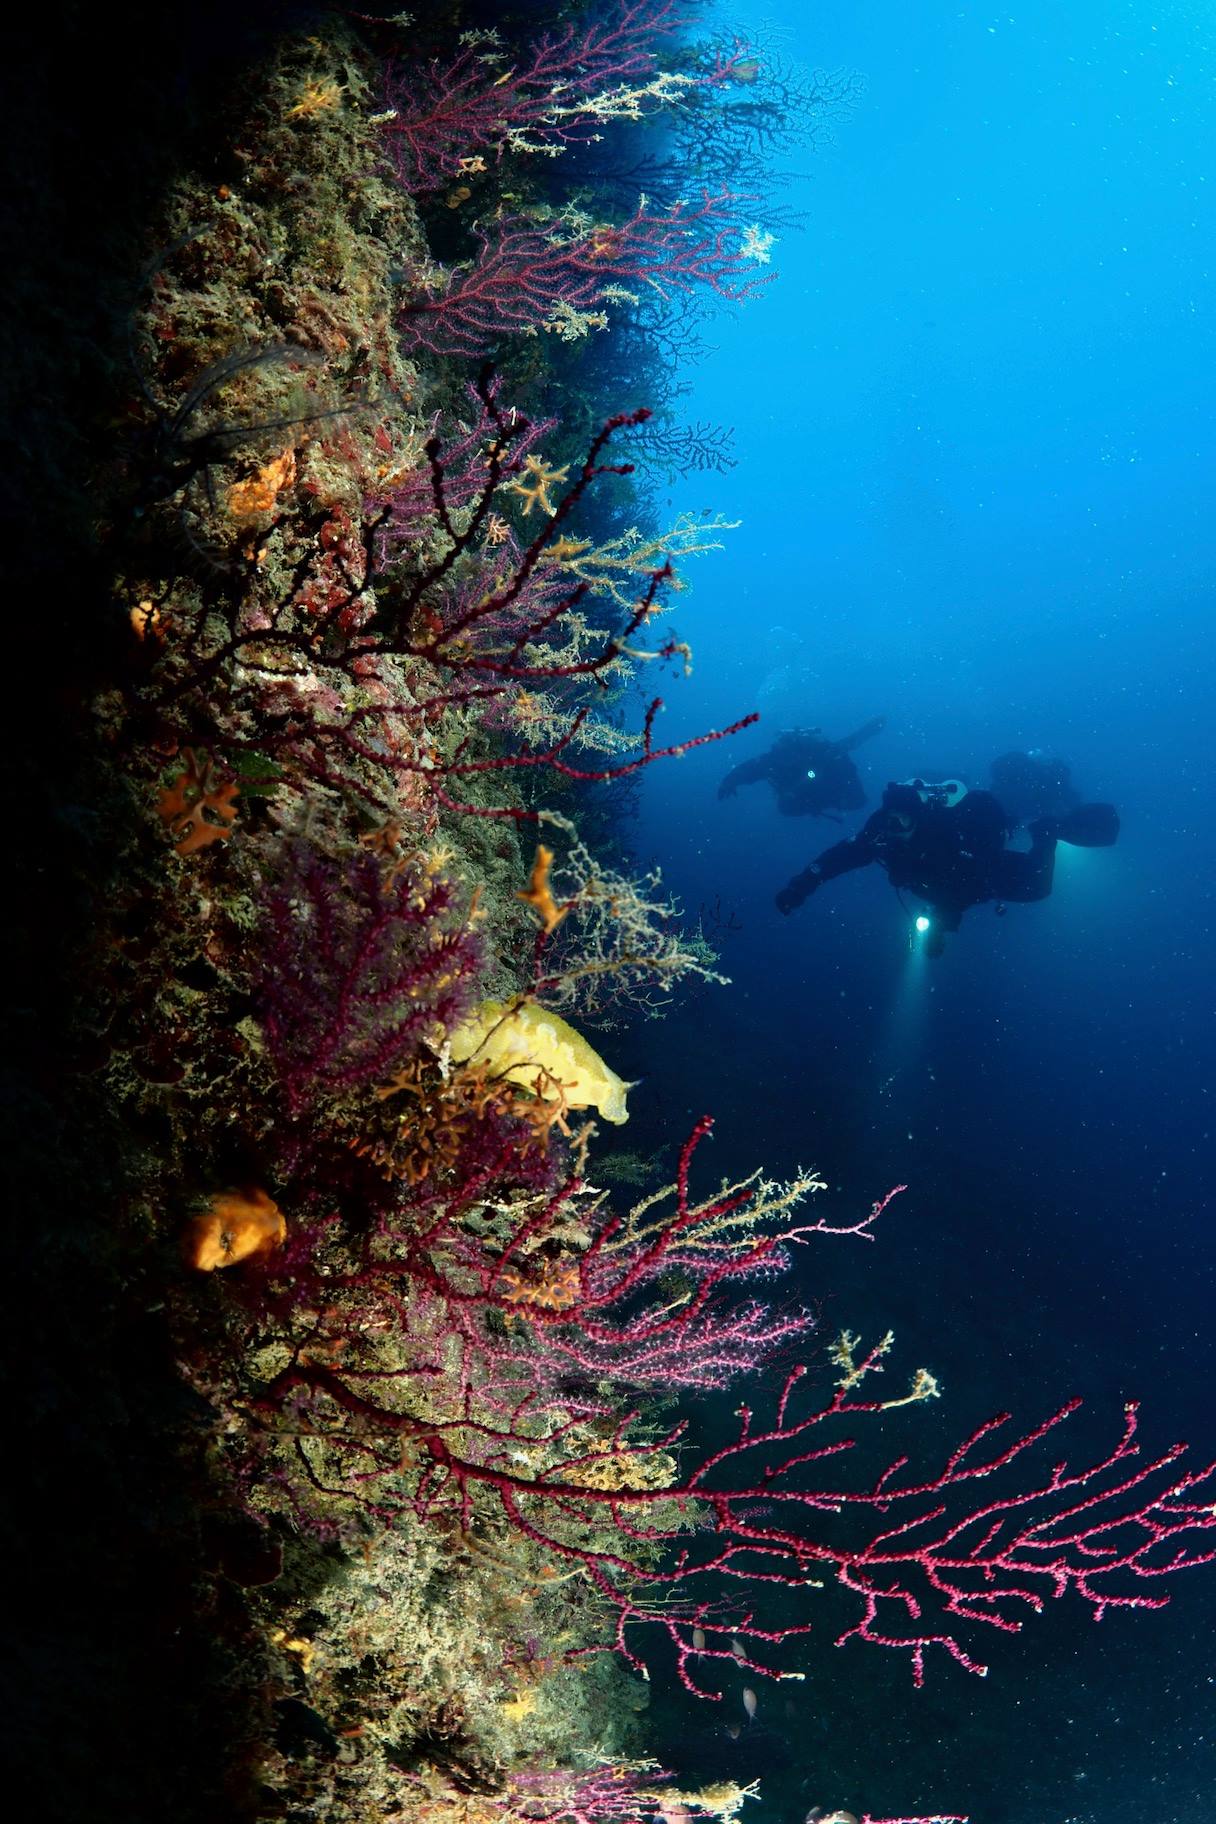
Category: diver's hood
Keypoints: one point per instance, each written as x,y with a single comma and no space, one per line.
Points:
945,792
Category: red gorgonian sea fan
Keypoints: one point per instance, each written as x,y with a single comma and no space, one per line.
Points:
360,961
525,276
420,1395
380,684
448,118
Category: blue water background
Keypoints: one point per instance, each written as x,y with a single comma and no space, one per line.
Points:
975,419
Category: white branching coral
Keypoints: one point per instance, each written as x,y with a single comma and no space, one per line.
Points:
620,947
567,109
622,567
843,1354
757,244
752,1207
544,720
571,325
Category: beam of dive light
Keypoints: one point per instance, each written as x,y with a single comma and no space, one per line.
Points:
900,1052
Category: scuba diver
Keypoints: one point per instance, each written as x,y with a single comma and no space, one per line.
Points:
1032,785
811,776
946,845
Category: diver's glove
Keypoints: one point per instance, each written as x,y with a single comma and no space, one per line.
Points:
801,887
728,787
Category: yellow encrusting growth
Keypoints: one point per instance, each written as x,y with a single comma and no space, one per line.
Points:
304,1650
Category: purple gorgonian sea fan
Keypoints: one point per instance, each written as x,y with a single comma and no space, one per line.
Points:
363,962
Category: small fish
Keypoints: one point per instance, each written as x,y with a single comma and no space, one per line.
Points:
737,1647
698,1639
749,1702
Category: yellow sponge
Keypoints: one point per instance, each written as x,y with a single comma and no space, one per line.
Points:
537,1049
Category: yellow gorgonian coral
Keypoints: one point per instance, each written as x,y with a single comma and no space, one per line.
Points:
318,98
624,1471
535,483
556,1287
537,894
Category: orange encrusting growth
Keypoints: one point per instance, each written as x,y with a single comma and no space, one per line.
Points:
193,792
258,494
538,894
236,1225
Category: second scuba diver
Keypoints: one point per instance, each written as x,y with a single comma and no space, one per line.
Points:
1032,784
810,775
947,845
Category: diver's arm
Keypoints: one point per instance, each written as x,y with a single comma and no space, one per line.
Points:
841,858
748,772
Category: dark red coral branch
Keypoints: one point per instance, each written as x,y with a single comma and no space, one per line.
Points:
342,681
526,277
981,1541
447,118
360,963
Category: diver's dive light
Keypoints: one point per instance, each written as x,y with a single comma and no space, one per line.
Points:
923,923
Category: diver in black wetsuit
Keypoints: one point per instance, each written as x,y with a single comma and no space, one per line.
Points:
810,775
947,846
1033,784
